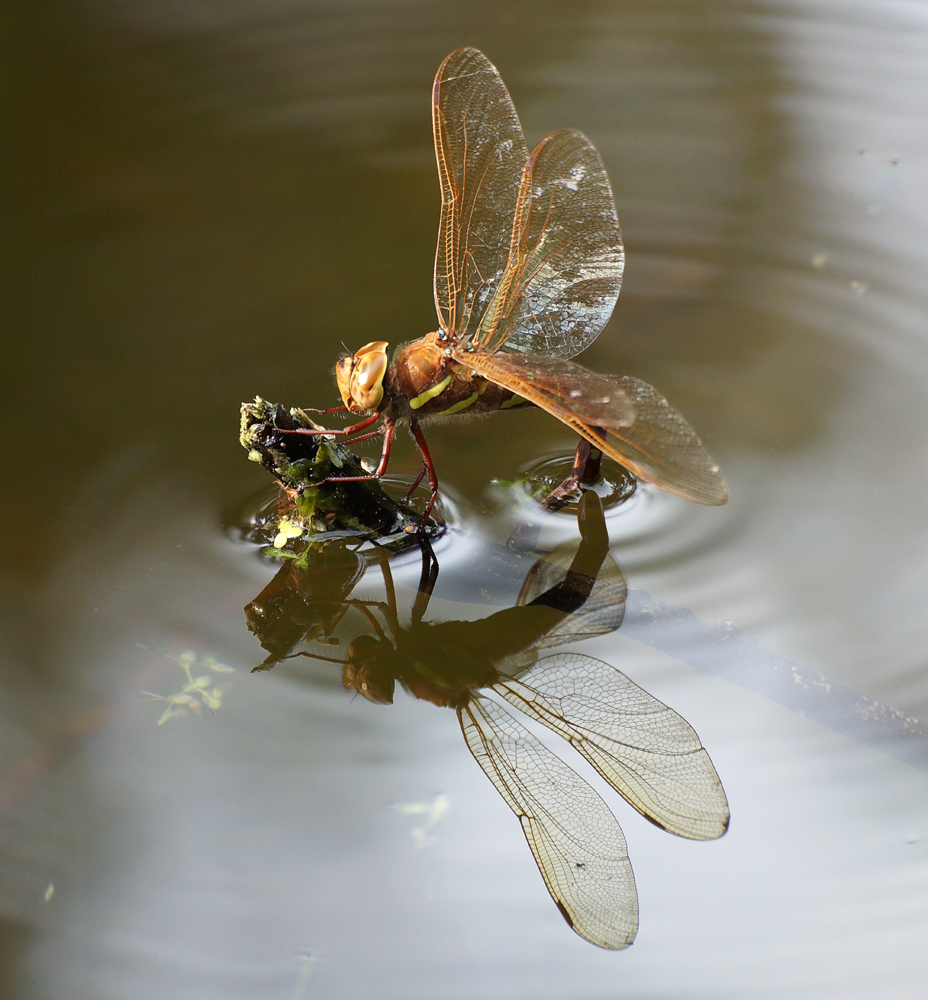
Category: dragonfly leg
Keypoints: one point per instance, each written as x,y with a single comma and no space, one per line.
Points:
364,437
388,429
414,487
331,409
419,438
340,432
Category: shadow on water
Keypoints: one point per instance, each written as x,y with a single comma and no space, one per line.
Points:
642,748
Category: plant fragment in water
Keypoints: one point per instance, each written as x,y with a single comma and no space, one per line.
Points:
432,811
198,691
286,529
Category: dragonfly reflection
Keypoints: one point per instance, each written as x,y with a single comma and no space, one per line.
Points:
647,752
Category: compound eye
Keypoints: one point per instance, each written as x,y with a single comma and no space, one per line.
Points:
367,375
367,670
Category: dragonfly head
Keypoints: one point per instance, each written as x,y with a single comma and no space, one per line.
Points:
367,670
360,377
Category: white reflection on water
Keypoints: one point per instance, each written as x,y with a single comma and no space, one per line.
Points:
841,522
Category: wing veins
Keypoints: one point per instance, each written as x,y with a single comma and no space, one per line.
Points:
629,738
576,842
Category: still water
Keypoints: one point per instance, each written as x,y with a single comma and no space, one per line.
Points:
204,200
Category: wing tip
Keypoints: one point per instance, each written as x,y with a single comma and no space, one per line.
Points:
460,58
601,941
717,497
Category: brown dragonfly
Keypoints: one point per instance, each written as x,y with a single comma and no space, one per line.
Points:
642,748
527,272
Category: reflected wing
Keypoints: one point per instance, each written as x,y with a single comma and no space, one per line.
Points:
480,151
648,753
654,441
577,843
565,257
601,603
565,389
575,592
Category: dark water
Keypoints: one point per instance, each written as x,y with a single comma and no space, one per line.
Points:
201,201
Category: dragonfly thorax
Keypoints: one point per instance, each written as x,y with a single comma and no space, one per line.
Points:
426,380
418,368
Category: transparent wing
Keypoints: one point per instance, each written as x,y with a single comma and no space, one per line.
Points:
565,389
625,418
578,845
565,256
602,610
648,753
480,151
660,447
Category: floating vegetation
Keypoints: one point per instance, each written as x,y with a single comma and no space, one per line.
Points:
325,488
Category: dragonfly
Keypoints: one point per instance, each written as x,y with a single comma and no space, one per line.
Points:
527,272
642,748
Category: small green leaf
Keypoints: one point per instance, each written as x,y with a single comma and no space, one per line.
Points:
211,663
197,683
172,713
286,530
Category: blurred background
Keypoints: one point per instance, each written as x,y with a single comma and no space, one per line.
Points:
201,201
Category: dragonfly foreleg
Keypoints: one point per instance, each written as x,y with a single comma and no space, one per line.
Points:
331,409
339,432
388,429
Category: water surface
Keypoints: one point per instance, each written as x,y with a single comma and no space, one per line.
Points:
205,200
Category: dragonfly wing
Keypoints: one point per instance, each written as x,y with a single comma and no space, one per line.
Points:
480,151
566,258
602,608
568,391
625,418
648,753
661,447
578,845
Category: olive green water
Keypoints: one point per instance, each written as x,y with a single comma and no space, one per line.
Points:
201,201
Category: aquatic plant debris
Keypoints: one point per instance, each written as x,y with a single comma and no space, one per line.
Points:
312,501
199,691
286,529
432,811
